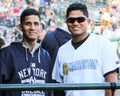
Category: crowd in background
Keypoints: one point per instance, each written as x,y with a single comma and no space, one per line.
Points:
105,16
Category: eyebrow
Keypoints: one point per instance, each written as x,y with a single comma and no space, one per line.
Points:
32,22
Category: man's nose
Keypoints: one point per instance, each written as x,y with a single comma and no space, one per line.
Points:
32,26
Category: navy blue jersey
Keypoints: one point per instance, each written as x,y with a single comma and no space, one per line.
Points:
19,66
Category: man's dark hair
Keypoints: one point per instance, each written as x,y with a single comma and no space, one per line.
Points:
27,12
77,6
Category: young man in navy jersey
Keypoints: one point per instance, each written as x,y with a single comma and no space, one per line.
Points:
26,62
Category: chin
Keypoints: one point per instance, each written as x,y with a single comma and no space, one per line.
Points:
75,35
31,39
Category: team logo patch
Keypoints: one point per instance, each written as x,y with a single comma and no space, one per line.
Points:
65,69
33,65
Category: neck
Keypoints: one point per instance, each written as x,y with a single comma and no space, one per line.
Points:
30,44
79,38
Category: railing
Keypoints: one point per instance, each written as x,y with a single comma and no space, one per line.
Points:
59,86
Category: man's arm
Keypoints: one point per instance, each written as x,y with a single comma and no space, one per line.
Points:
112,77
58,92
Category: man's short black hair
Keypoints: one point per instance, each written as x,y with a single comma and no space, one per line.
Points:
27,12
77,6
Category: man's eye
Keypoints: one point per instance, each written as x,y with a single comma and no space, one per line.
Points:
27,24
36,23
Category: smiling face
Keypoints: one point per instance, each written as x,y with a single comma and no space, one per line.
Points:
78,28
31,28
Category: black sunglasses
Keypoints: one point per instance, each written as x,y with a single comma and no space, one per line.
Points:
79,19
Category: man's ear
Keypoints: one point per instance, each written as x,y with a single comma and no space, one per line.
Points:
20,27
89,21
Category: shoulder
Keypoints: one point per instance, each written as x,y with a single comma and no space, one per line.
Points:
100,42
49,40
50,36
7,49
63,33
11,48
6,52
98,38
66,46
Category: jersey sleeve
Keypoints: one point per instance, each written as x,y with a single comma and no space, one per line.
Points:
109,57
